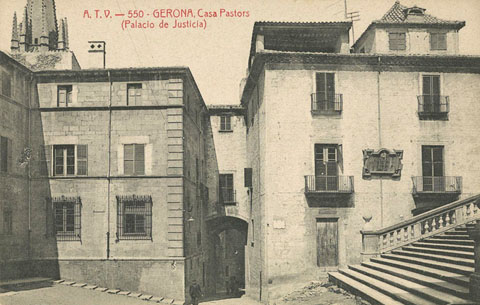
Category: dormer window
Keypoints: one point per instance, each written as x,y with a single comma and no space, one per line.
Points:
414,14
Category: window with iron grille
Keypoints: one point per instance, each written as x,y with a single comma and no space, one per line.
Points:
3,154
134,217
134,159
397,41
64,95
438,41
134,94
69,160
64,218
225,123
7,222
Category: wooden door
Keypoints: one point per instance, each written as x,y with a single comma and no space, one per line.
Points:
327,242
325,86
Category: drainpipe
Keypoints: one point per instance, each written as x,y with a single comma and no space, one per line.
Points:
29,140
379,135
109,160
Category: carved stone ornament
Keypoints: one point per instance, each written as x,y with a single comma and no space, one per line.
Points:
382,163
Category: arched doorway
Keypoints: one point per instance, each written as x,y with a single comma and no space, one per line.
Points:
226,259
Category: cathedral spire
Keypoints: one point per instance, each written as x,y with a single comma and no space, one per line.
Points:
15,42
24,45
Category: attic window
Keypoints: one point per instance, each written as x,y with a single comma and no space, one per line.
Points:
415,11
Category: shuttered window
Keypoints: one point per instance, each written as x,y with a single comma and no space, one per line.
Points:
68,160
134,159
4,154
134,94
64,95
225,123
397,41
6,83
438,41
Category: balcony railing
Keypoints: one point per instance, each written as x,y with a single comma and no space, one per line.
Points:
326,103
433,105
440,185
228,197
329,184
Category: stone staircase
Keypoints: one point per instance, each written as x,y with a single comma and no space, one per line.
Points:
427,260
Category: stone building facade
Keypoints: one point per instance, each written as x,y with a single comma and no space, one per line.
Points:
339,141
117,178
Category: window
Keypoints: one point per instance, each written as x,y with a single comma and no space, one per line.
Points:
226,188
64,95
327,162
433,168
438,41
397,41
7,222
6,83
324,98
3,154
134,94
432,101
64,157
134,159
134,217
225,123
66,212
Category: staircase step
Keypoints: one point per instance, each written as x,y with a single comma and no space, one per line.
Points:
394,292
460,291
419,266
445,252
445,247
371,295
452,236
435,240
412,287
441,258
456,233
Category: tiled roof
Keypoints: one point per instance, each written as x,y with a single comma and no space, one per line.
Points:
396,14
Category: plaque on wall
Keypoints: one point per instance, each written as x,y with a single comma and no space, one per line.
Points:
382,163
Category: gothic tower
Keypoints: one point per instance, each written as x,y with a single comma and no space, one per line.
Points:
40,35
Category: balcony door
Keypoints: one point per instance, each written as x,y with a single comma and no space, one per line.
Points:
325,91
433,169
431,93
326,167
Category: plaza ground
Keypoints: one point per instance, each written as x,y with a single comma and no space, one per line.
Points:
313,293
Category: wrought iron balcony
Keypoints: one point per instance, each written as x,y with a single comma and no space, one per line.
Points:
437,185
433,105
228,197
328,184
330,103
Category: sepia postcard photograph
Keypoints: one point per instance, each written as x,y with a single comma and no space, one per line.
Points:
239,152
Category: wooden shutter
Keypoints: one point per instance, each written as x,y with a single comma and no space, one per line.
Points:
139,159
82,159
247,175
340,156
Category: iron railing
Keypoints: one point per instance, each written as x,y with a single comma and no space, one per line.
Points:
328,184
326,103
228,196
439,184
433,105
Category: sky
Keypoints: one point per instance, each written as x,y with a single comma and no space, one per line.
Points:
217,55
